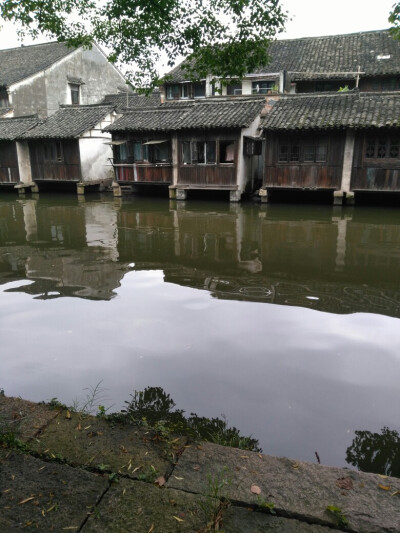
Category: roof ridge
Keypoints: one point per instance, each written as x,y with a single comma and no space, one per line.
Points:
309,38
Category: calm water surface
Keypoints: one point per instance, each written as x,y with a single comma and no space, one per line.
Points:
283,318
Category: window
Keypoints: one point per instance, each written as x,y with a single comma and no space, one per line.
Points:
226,151
173,92
75,90
199,89
385,84
262,87
234,89
186,155
199,152
296,151
289,153
206,152
53,152
382,148
154,151
4,102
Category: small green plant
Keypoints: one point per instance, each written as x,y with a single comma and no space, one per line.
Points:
215,500
91,403
149,475
10,440
56,404
344,89
266,507
113,477
341,520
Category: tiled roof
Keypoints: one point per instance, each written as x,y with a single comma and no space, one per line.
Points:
24,61
126,101
334,111
314,58
204,114
11,128
69,122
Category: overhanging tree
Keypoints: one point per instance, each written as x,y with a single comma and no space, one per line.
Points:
394,18
221,37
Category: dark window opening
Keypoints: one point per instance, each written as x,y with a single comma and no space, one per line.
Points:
199,89
234,89
53,152
296,152
4,101
226,151
382,148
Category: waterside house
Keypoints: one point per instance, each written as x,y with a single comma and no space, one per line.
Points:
38,79
14,155
71,147
202,145
369,61
343,143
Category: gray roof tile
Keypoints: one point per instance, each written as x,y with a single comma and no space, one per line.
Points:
334,111
69,122
24,61
12,128
126,101
204,114
316,58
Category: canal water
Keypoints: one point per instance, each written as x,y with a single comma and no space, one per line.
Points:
282,318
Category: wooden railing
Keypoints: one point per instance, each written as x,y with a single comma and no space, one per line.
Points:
9,175
135,173
207,175
56,172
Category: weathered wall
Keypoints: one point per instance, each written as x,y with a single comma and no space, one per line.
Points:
29,97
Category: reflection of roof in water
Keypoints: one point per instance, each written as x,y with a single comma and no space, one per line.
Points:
322,296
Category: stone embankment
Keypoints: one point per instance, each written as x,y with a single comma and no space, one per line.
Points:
63,471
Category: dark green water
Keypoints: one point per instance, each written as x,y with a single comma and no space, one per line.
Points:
283,318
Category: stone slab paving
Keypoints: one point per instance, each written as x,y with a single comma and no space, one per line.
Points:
371,503
45,497
25,419
134,507
95,442
240,520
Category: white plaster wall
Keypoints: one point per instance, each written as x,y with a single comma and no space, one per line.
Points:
24,163
243,161
95,154
98,75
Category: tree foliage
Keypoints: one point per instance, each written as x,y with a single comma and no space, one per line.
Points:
222,37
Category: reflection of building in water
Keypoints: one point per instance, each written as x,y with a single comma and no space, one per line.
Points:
66,250
311,258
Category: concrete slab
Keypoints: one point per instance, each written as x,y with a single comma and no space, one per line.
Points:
297,489
45,497
95,442
133,506
25,419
